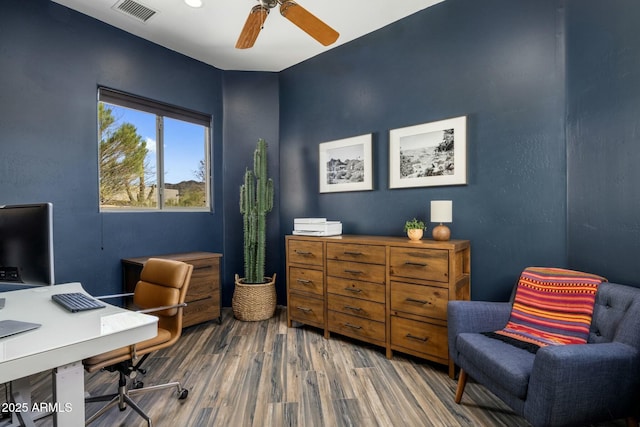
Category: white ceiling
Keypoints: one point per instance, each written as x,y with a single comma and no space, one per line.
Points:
209,33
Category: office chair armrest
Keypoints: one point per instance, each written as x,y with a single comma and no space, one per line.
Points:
165,307
101,297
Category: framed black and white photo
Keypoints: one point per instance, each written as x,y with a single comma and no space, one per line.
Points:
346,165
430,154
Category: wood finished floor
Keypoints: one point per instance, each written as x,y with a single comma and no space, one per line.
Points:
265,374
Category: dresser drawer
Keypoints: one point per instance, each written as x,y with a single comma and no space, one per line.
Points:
356,288
423,264
356,327
305,252
354,252
355,306
306,310
200,311
305,280
356,270
203,279
419,337
422,300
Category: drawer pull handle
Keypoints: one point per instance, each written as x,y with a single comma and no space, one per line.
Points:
350,307
413,337
303,253
354,271
356,290
352,253
203,267
349,325
304,281
417,301
416,264
304,309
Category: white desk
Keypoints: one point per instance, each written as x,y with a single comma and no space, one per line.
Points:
63,341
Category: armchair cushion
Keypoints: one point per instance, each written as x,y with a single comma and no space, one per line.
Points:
512,370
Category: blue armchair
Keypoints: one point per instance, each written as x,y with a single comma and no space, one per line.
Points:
564,385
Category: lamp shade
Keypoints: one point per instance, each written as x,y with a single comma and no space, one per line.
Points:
441,210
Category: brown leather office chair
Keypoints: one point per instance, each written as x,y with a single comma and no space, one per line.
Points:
161,292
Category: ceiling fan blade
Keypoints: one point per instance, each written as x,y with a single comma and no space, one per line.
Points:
308,22
252,27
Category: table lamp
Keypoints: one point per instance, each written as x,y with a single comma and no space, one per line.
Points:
441,211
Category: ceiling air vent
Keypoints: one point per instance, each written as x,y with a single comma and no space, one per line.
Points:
135,10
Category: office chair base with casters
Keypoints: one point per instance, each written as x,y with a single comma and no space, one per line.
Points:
122,398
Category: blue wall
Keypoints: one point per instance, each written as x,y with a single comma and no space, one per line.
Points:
603,138
501,65
52,61
549,87
250,112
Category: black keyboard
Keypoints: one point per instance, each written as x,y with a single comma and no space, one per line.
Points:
76,301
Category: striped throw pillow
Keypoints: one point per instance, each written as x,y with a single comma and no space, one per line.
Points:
552,306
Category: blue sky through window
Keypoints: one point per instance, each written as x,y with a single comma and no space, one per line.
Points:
184,148
184,143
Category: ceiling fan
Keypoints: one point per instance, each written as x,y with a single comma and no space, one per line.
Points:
291,10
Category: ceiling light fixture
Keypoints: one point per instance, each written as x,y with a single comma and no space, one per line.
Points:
193,3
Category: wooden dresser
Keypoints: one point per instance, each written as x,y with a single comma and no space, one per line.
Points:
387,291
203,296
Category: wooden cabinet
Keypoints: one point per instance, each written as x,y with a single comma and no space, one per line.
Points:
203,296
387,291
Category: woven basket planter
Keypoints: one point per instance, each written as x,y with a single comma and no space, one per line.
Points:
253,302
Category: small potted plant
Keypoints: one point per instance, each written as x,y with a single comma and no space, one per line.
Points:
414,228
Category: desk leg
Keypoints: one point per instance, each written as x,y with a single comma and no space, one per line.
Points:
68,395
21,396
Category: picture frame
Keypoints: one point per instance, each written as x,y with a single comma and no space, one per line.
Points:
429,154
346,164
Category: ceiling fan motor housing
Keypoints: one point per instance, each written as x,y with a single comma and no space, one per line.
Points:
270,4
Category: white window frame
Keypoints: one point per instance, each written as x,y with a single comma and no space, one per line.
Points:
161,110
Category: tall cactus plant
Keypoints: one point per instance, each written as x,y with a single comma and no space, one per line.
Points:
256,200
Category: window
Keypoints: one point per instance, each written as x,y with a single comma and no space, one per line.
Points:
152,156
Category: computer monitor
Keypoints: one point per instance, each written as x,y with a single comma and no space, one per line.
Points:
26,246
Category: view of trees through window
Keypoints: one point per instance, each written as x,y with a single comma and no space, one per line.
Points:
151,161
